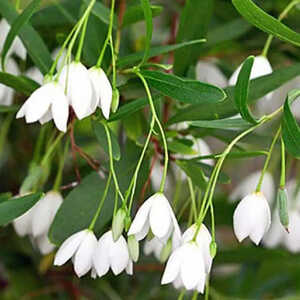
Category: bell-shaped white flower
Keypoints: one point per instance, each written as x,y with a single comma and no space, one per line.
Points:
252,218
111,254
44,245
157,214
17,46
186,266
47,102
76,81
275,234
291,240
103,90
80,247
208,72
203,240
7,93
261,67
23,224
154,246
45,212
249,183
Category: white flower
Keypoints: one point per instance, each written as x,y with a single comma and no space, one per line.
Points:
47,102
79,89
111,254
17,46
43,244
23,224
35,74
208,72
157,214
261,67
7,93
155,246
45,211
291,240
103,90
252,218
80,247
186,266
249,183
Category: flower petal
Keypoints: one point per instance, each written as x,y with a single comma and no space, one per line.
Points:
100,257
173,266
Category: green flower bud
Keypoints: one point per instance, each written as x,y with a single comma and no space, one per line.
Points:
213,247
166,251
118,223
115,100
133,247
283,207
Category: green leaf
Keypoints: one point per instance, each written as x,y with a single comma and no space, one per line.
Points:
81,203
181,146
234,155
130,108
135,13
259,87
5,196
35,46
19,83
231,124
188,91
18,23
290,127
241,90
15,207
149,28
257,17
7,109
193,25
100,134
154,51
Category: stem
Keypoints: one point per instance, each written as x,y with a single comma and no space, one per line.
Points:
162,185
92,225
195,295
282,174
181,295
39,144
113,61
81,41
281,16
193,198
5,129
18,2
109,32
258,188
111,163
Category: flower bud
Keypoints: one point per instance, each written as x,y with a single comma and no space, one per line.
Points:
34,176
118,223
133,247
127,222
166,251
115,100
282,207
213,247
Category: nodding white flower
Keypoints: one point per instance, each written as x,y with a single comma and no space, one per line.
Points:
154,246
7,93
45,211
203,240
80,247
252,217
111,254
79,89
249,183
43,244
275,234
261,67
17,46
103,90
47,102
291,240
208,72
157,214
186,266
23,224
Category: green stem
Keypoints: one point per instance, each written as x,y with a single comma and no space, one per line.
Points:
193,198
109,33
282,174
81,41
5,129
281,16
195,295
18,2
163,181
258,188
181,295
113,62
111,162
92,225
39,144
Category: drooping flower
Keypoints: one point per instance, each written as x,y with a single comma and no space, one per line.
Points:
154,246
43,243
17,46
157,214
252,218
23,224
110,254
79,89
103,90
80,247
47,102
7,93
208,72
291,240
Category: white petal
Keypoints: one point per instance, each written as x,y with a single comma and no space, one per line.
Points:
101,255
173,266
105,95
46,117
141,217
276,233
22,224
143,233
129,268
69,247
35,74
201,283
84,255
44,245
292,240
160,218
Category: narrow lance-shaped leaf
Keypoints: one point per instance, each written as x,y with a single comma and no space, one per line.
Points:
189,91
241,90
230,124
149,28
16,26
257,17
290,127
